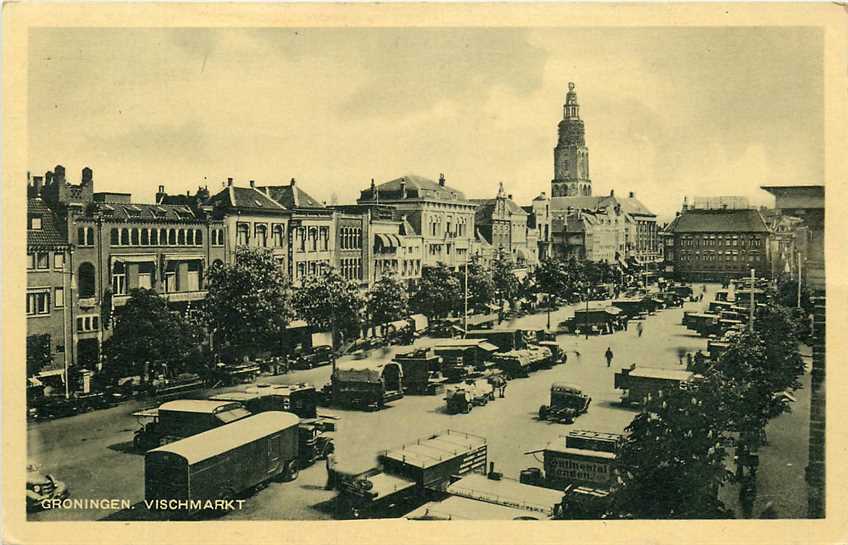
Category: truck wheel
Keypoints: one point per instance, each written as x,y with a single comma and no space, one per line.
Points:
291,471
543,412
137,442
467,408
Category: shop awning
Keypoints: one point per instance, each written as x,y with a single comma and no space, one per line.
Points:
388,240
137,258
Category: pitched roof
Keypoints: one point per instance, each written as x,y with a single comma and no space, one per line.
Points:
417,187
634,206
49,236
136,211
293,197
720,221
245,198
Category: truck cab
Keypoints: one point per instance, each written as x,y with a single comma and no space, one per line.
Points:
567,403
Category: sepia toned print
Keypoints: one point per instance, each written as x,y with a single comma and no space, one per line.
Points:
424,272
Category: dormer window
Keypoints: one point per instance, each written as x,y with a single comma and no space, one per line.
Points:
133,211
34,223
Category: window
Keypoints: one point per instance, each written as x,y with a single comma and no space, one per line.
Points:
145,275
325,238
81,236
43,260
34,223
154,237
302,235
145,237
119,278
38,303
277,236
181,237
172,237
114,237
301,270
163,237
261,234
243,234
134,237
58,261
58,297
198,237
190,237
86,280
313,239
193,276
30,261
88,323
220,237
171,278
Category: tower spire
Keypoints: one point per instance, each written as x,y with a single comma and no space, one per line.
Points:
571,109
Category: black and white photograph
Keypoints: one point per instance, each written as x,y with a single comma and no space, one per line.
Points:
423,272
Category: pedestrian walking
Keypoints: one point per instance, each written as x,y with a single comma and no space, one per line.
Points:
609,355
688,360
625,323
502,387
332,463
639,328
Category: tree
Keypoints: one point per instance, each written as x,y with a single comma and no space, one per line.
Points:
146,330
248,303
38,353
507,285
553,277
671,464
330,302
481,285
438,293
388,300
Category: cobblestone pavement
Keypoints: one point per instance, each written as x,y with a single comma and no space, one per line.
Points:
93,454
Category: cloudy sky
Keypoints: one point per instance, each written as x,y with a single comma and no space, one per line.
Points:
668,112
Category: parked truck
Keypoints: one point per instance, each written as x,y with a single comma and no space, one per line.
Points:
203,471
473,392
365,385
639,383
182,418
409,475
567,403
422,372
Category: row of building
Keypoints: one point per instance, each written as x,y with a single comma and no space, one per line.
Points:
87,250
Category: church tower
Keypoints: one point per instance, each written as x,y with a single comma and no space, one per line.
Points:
571,156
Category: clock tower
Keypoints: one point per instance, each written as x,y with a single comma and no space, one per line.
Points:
571,156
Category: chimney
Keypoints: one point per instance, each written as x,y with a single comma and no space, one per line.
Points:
632,194
36,183
253,184
403,188
509,196
160,195
685,203
229,182
87,176
59,173
161,189
442,179
612,192
293,182
48,177
544,195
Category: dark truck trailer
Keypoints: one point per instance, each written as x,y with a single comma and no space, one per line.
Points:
421,372
366,385
181,418
462,358
220,464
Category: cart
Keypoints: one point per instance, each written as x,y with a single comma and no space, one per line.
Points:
567,403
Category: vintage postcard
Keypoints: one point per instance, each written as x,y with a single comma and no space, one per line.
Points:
423,273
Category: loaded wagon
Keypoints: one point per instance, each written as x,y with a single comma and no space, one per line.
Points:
567,403
365,385
640,383
463,397
595,321
175,420
631,307
462,358
702,323
410,475
504,338
204,471
519,363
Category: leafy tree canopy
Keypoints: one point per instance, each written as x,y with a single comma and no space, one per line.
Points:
388,300
438,293
248,302
330,302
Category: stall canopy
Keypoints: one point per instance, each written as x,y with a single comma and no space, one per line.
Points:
420,321
388,240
